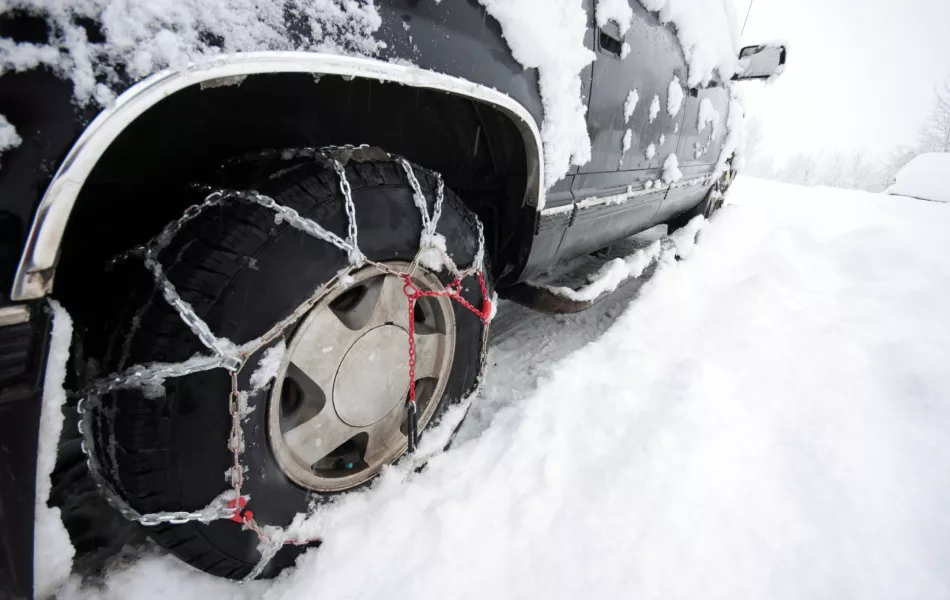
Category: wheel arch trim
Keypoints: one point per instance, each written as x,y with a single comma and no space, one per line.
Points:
34,275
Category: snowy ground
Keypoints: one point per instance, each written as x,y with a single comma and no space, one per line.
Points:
768,418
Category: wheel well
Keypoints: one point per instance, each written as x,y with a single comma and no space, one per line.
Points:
136,187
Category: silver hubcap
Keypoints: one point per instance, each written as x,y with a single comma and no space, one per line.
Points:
337,413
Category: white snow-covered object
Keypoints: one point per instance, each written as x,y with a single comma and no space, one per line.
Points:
674,96
708,115
141,38
9,138
610,276
627,138
707,31
269,366
549,35
52,550
734,144
926,177
671,171
618,11
654,108
650,151
630,104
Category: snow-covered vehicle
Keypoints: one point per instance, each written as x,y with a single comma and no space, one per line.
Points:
279,253
925,177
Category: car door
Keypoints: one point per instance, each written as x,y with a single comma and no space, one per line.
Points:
644,61
702,134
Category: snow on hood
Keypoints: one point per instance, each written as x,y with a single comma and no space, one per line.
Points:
141,37
926,177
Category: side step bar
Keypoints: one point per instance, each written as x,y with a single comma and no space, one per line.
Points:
587,280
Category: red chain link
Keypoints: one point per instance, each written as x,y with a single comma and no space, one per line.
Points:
413,293
241,515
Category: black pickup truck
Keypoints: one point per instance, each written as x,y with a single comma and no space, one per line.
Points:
280,264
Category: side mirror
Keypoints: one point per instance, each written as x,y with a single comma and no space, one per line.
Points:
760,62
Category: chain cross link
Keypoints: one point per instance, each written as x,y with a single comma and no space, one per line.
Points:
230,504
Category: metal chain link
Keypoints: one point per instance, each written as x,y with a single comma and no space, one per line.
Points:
164,238
356,257
230,504
153,374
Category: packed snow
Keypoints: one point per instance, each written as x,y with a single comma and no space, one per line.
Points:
654,108
707,31
627,139
708,115
662,139
549,35
734,144
52,550
618,271
618,11
764,418
9,138
671,171
630,104
433,249
674,97
269,366
926,177
650,151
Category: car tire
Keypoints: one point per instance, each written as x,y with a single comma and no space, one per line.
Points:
242,272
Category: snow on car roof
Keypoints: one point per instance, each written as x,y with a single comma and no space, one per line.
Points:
926,177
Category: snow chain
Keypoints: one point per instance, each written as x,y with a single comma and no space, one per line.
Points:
232,504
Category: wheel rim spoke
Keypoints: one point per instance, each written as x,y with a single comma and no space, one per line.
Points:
340,412
382,435
324,343
391,303
319,436
428,356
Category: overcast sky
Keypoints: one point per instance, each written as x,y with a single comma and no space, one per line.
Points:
860,73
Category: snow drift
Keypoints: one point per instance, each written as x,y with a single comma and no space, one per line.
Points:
766,420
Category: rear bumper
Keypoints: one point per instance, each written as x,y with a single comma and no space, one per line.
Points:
24,342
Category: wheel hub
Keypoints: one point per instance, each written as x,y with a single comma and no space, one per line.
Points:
338,409
373,378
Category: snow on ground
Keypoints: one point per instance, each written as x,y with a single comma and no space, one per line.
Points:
52,552
767,419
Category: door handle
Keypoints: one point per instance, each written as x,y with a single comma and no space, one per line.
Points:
611,44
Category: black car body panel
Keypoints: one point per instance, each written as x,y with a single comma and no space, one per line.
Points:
454,38
23,349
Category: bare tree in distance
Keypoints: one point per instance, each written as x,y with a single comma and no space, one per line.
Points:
856,169
934,134
836,168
